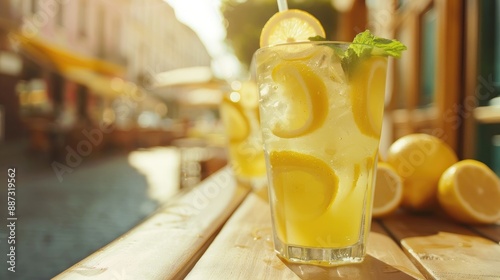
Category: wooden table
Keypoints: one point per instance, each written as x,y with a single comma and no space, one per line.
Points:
221,230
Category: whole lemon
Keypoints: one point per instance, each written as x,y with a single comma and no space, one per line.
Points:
420,159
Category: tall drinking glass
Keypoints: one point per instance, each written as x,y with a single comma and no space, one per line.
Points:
321,118
239,111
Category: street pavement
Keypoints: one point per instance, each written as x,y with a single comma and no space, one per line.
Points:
62,219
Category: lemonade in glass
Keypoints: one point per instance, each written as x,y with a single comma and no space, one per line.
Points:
239,112
321,109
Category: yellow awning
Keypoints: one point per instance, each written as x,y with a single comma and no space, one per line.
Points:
101,77
105,86
63,59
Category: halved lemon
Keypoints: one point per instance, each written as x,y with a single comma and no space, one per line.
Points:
304,185
236,124
469,191
290,26
388,190
306,96
367,83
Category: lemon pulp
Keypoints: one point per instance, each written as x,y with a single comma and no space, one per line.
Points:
469,191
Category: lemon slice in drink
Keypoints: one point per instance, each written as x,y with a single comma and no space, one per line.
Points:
304,185
388,190
306,97
290,26
236,124
469,191
367,83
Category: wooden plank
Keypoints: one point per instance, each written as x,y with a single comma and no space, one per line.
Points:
403,224
167,244
454,256
489,231
244,250
417,233
377,227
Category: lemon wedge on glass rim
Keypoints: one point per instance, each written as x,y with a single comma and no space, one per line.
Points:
290,26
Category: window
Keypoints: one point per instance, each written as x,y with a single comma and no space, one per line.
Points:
82,18
487,81
101,32
428,57
117,36
497,45
34,6
60,13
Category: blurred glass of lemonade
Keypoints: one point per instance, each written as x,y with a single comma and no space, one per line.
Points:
239,111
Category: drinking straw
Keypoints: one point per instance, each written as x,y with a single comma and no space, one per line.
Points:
282,5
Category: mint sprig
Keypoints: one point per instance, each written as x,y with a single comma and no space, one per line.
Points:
367,41
365,44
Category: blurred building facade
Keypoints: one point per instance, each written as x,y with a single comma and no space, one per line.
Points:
143,35
87,61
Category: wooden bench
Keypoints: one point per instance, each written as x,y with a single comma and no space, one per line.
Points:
221,230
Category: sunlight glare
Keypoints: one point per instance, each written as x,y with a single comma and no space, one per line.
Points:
205,18
161,167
